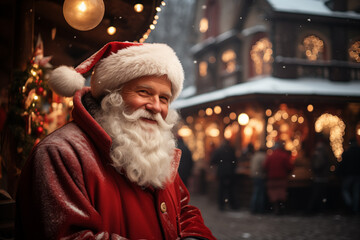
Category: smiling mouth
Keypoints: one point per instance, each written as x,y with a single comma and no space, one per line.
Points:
148,120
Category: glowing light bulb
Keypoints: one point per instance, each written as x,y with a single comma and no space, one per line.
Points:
83,15
138,7
243,119
82,7
111,30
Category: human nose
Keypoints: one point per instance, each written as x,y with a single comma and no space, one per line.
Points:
154,105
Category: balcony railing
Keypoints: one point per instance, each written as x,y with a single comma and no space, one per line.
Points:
333,69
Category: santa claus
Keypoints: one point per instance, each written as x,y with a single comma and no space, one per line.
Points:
111,173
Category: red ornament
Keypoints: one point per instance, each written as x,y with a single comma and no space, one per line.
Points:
39,130
40,91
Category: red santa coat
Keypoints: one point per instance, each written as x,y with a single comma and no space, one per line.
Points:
69,189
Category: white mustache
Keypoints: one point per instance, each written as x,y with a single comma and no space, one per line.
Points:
142,113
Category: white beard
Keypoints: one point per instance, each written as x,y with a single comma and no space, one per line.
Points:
141,150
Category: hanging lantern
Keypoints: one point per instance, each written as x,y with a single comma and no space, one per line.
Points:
83,15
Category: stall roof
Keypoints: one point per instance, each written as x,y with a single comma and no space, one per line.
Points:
275,86
313,7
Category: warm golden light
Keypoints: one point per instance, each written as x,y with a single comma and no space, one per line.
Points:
204,25
243,119
209,111
185,131
33,72
217,109
285,115
310,108
138,7
111,30
312,47
212,131
261,55
229,59
203,66
248,131
227,133
301,120
268,112
336,127
354,51
82,7
232,116
83,15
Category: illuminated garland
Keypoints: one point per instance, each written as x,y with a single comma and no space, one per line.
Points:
152,25
30,102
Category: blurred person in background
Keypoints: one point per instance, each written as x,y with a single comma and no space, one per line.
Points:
186,161
225,160
278,167
257,171
321,160
349,170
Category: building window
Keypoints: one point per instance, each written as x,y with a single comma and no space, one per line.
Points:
229,60
204,25
203,69
312,48
261,55
354,51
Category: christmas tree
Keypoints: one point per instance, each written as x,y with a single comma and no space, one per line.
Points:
31,104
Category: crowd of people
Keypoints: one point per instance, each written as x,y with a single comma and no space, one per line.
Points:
271,171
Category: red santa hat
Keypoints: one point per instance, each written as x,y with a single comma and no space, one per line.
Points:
117,63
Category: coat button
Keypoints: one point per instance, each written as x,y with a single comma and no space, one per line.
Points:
163,207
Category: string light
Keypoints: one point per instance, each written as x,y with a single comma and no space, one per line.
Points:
261,54
153,25
312,47
243,119
354,51
138,7
280,125
111,30
336,127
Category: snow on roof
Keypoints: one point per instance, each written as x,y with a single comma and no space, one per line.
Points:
272,85
313,7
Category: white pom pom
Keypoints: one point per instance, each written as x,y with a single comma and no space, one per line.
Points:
65,81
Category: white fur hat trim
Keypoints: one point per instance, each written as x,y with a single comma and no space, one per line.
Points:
117,63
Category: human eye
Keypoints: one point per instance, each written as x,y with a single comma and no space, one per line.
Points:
143,92
164,99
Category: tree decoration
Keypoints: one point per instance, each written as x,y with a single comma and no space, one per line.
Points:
30,99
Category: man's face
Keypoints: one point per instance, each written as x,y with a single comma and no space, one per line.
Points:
151,93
